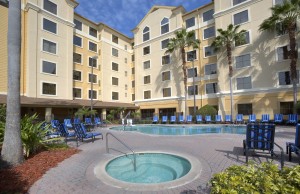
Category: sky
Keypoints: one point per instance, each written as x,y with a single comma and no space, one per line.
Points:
125,15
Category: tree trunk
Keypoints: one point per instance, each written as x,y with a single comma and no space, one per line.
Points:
184,80
12,151
229,58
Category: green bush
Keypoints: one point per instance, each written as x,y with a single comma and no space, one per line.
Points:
264,178
2,122
207,110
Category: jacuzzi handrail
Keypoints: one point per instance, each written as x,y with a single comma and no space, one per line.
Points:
107,148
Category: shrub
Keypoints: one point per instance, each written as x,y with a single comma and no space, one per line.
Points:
2,122
264,178
207,110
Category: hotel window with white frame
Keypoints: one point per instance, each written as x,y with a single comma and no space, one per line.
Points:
49,46
244,41
49,26
146,50
125,47
211,88
210,69
191,55
115,81
146,64
49,67
165,60
93,32
190,22
164,43
235,2
208,15
114,39
191,90
126,87
115,66
48,88
146,34
147,79
126,73
132,71
164,26
147,94
76,75
77,41
50,6
282,53
92,78
241,17
191,72
133,84
78,24
284,78
125,60
243,83
209,32
92,62
166,92
166,76
209,51
94,94
92,47
115,95
133,97
76,58
243,61
278,2
76,93
115,52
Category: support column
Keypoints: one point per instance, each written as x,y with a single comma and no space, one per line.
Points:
221,105
48,115
103,114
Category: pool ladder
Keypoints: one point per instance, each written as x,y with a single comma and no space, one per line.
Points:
107,148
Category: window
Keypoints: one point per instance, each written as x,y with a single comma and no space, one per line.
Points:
285,78
166,92
92,62
243,61
147,94
115,66
191,90
190,22
115,81
235,2
166,75
125,47
287,108
210,69
209,51
50,6
245,109
49,46
132,70
78,24
164,43
77,41
126,87
245,40
240,18
115,95
92,78
125,73
77,75
49,26
166,59
76,58
282,53
146,34
211,88
115,52
49,89
93,32
192,72
146,64
49,67
133,97
132,84
209,32
146,50
92,46
147,79
125,60
114,39
244,83
277,2
76,93
94,93
208,15
191,55
164,26
132,58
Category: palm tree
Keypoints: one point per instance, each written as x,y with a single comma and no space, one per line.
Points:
12,151
182,40
286,15
226,40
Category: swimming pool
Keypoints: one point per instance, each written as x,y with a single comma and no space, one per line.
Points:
182,130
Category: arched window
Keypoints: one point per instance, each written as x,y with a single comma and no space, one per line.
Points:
164,26
146,34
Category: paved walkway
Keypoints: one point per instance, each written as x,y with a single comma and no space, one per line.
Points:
215,152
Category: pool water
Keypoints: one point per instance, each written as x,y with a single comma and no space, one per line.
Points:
183,130
150,168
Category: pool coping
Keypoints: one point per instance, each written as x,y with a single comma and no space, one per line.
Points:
195,172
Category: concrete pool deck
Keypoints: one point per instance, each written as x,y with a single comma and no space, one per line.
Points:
215,153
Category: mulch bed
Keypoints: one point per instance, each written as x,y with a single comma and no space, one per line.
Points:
20,178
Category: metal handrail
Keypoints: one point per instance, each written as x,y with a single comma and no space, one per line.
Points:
107,148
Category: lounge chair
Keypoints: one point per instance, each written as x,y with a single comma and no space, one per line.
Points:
261,137
98,122
173,119
292,119
155,120
64,132
198,118
228,119
252,118
278,118
265,118
218,118
76,121
294,146
68,123
164,119
54,124
82,134
189,118
239,118
207,119
181,119
51,133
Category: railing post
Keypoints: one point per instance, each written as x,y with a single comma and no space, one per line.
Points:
106,137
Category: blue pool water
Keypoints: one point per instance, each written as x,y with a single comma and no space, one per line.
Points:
183,130
150,168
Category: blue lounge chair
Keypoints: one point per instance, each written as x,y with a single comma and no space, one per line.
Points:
82,134
64,132
181,119
252,118
76,121
228,119
51,133
164,119
198,118
261,137
292,119
294,146
98,122
265,118
173,119
207,119
54,124
189,118
218,118
278,118
155,120
239,118
68,124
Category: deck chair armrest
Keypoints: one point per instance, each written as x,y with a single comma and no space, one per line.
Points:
281,155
